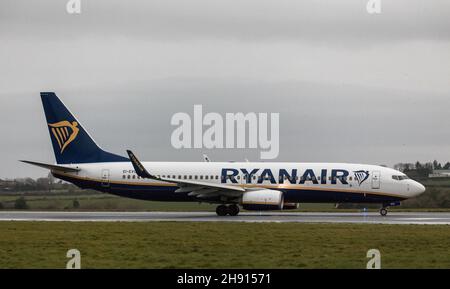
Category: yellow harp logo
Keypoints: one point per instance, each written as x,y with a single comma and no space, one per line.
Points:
64,132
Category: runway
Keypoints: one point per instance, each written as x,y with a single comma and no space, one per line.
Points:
275,217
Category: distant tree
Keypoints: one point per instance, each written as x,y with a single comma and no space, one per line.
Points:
407,167
447,166
42,184
76,204
51,181
21,204
436,165
404,167
398,167
418,165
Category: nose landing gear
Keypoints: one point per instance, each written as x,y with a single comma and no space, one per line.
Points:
385,206
383,211
223,210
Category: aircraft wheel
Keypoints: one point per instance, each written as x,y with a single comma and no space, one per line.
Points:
222,210
383,212
233,210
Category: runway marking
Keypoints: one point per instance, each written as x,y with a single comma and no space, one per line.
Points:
247,217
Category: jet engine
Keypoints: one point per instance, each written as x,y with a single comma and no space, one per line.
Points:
262,200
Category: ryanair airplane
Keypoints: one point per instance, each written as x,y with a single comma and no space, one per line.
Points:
251,185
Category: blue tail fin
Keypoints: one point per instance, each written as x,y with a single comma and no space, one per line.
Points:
71,143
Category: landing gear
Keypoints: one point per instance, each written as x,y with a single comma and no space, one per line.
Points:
222,210
383,212
232,210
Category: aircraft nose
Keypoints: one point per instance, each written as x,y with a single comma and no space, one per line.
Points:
418,189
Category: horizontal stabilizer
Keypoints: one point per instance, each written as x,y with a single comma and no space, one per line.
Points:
52,167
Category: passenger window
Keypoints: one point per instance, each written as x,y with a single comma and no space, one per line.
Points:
129,177
123,177
190,177
201,177
206,177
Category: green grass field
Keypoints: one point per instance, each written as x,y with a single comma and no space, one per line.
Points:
221,245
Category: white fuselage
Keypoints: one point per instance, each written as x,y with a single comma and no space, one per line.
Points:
300,182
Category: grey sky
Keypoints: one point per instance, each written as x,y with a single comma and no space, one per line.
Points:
349,86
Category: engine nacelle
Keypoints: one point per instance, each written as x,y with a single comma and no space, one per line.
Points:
290,206
262,200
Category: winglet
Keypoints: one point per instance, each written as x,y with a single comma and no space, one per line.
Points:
138,167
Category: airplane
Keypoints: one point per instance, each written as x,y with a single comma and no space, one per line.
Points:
260,186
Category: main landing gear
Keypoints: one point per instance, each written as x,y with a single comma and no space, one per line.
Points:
223,210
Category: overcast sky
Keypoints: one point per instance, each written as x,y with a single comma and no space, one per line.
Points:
349,86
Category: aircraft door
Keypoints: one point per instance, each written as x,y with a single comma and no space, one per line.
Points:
105,178
376,176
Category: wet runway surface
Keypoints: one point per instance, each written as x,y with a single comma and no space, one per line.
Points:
277,217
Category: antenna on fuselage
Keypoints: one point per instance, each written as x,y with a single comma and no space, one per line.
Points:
206,159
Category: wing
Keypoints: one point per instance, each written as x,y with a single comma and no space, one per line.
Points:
195,188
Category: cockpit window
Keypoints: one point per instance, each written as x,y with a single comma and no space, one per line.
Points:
400,178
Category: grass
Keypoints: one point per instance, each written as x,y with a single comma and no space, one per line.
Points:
221,245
